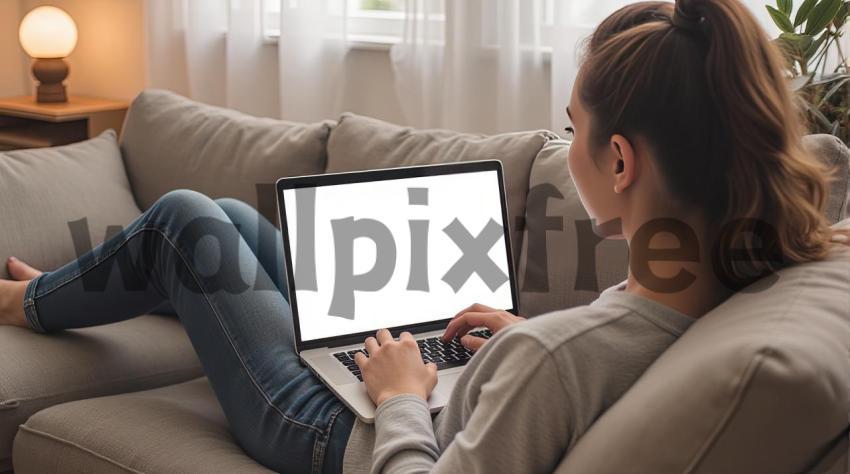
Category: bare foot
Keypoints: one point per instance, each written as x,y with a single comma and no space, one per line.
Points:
21,271
12,293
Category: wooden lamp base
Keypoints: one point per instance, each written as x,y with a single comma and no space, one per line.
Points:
50,73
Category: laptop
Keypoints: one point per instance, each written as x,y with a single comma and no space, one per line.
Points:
404,249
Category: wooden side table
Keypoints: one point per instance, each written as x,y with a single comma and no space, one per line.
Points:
25,123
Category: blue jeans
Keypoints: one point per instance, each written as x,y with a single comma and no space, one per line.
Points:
219,266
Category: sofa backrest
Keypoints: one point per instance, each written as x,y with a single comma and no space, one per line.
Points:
170,142
562,263
836,156
361,143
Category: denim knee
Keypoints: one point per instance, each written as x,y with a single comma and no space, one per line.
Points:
231,205
182,206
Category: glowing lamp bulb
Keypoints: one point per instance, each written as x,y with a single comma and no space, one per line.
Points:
48,32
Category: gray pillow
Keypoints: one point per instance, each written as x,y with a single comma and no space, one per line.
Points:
170,142
360,143
836,156
42,191
563,264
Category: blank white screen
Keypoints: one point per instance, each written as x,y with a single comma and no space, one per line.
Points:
471,198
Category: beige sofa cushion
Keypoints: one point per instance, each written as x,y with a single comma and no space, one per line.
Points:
836,156
563,264
180,428
359,143
759,384
38,371
170,142
42,191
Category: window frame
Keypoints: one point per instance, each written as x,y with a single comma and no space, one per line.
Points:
379,30
367,29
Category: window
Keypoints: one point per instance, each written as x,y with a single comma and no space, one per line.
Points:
378,22
381,22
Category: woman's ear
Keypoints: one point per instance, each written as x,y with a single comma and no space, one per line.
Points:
624,168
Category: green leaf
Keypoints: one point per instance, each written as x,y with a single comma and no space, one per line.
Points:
803,12
832,90
841,16
822,15
800,42
814,47
781,19
818,115
787,54
828,78
785,6
794,46
835,126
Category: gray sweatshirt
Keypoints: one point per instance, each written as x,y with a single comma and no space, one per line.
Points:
527,396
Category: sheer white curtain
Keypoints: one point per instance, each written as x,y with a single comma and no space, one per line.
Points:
205,49
483,70
471,65
501,65
218,52
312,48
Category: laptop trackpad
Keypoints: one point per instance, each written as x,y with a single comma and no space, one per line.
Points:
443,390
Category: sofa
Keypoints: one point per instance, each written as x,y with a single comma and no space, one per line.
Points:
760,384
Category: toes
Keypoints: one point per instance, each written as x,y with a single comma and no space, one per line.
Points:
21,271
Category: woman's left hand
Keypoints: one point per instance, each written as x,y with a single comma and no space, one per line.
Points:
395,367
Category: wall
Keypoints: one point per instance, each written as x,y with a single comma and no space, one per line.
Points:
13,62
109,58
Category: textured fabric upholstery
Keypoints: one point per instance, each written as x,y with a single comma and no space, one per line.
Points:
759,384
44,191
170,142
836,156
360,143
562,264
38,371
179,428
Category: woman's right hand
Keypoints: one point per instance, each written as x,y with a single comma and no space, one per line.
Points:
476,316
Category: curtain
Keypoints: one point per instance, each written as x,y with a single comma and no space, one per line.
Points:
483,66
189,43
501,65
216,52
312,48
487,71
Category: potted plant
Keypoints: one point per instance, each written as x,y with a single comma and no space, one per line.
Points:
817,65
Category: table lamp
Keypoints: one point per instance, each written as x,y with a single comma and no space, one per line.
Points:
48,35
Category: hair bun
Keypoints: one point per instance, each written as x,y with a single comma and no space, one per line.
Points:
686,15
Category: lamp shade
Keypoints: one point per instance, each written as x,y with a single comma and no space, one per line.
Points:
48,32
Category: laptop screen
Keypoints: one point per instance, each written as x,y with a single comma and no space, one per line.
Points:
395,252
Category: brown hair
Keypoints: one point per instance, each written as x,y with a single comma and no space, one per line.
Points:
702,84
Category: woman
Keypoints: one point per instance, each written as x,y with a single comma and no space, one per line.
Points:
681,117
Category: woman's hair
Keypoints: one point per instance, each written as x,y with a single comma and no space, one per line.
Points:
700,82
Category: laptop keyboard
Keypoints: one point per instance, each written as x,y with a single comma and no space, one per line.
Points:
433,349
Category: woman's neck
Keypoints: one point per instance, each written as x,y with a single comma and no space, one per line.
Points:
686,281
695,300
